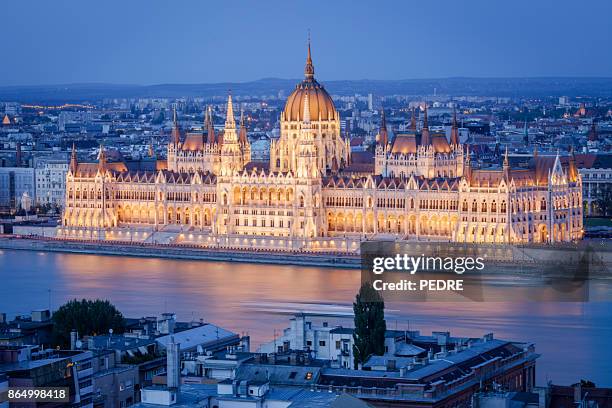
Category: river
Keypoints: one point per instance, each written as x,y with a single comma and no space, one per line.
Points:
573,337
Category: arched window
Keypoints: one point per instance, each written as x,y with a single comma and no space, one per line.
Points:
543,204
464,206
503,206
483,207
493,206
474,206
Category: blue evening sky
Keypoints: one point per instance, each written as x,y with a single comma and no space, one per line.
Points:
201,41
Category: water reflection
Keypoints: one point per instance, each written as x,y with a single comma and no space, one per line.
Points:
573,337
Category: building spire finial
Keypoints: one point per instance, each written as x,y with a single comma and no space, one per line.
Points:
309,69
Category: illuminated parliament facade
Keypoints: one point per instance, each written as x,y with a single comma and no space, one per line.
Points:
311,196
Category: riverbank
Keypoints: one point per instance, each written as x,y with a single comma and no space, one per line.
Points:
179,252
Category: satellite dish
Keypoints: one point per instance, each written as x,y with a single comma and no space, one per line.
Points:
79,344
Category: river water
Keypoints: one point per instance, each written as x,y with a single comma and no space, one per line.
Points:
574,338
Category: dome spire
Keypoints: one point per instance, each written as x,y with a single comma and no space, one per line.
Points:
309,69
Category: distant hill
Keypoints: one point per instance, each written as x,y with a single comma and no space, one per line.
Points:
505,87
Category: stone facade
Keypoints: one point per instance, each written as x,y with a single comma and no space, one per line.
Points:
423,187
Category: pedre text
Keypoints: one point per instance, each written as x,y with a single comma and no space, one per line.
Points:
413,264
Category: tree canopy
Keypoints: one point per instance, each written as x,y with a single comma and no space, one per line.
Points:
87,317
370,325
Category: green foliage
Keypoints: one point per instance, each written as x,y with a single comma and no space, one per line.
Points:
87,317
587,383
370,325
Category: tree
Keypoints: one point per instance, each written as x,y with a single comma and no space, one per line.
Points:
87,317
370,326
587,383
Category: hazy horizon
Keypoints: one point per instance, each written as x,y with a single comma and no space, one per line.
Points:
192,42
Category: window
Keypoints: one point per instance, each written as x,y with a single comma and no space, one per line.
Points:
292,375
322,343
338,345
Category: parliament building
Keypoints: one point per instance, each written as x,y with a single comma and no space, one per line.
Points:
312,196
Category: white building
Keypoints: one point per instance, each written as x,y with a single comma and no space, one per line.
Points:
324,342
51,180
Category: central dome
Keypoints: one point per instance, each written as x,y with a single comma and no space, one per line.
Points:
321,104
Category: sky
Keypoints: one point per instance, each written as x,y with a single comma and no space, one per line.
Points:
205,41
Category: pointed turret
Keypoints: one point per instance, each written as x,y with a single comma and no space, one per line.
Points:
572,169
506,161
230,121
383,135
242,134
454,136
151,152
468,163
210,127
176,133
102,159
73,160
413,126
535,152
232,158
425,141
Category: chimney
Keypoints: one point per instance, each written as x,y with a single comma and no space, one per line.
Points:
173,364
73,339
245,343
578,394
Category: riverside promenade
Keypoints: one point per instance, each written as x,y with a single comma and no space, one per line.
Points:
190,252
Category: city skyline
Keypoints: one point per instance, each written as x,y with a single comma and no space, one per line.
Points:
195,43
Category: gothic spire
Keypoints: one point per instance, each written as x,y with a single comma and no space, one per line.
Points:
210,128
242,134
454,136
230,122
176,134
413,121
506,161
73,160
425,131
383,139
309,68
101,158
